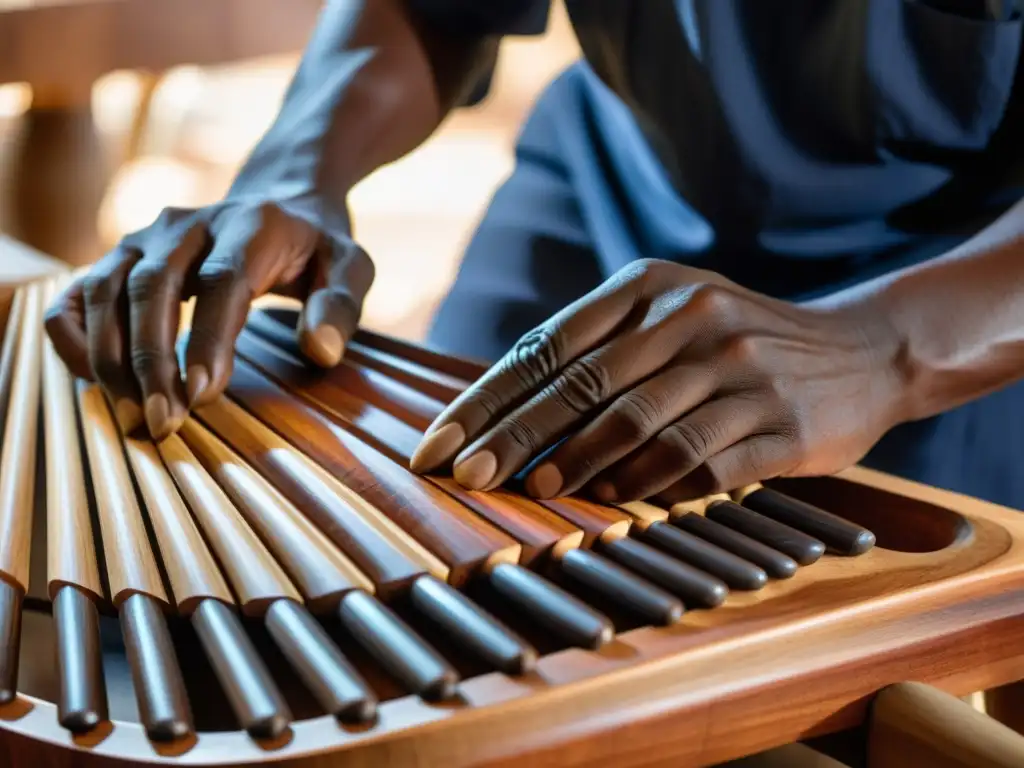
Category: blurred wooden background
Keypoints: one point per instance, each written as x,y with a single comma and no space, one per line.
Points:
112,109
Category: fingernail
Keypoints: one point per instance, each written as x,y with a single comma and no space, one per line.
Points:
197,380
477,471
325,345
160,418
605,491
545,481
437,448
128,415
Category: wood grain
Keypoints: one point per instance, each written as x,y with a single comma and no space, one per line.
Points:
193,573
595,520
18,457
461,539
70,542
131,565
915,724
321,571
459,367
254,574
389,556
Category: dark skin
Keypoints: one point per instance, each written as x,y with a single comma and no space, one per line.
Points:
666,381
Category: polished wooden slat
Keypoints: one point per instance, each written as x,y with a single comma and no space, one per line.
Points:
70,542
131,566
18,457
255,575
320,570
239,551
462,368
433,384
789,541
453,533
837,534
595,520
388,555
775,564
253,695
12,329
82,697
326,672
539,531
188,563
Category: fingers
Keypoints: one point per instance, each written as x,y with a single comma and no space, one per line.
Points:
65,325
680,448
753,460
156,287
252,250
630,421
331,314
531,364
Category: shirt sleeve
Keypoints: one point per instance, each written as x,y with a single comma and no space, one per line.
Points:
486,17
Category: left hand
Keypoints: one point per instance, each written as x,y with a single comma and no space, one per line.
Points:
675,383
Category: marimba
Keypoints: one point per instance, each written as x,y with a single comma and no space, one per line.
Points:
273,584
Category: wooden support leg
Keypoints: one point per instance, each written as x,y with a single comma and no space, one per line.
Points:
914,724
1006,704
57,177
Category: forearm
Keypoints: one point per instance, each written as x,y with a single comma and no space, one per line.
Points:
373,84
958,320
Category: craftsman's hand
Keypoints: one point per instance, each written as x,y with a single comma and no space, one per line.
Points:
674,383
118,323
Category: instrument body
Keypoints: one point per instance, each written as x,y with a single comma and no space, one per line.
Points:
938,600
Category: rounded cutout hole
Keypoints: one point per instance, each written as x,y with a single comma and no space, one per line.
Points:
899,523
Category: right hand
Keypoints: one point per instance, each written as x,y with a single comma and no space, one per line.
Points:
117,324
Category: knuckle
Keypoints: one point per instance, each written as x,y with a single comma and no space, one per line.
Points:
522,434
690,441
148,278
217,277
99,290
535,357
583,386
745,350
715,302
202,339
636,414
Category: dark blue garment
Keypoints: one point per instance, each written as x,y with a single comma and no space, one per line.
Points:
796,146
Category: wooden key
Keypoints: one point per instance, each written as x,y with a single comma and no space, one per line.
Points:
320,569
433,384
462,368
10,634
18,457
453,533
200,591
837,534
73,580
775,564
254,697
364,531
12,330
650,524
397,647
135,584
239,548
323,668
799,546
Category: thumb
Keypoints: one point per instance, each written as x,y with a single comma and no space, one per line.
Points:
331,314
